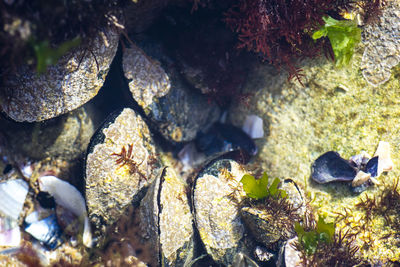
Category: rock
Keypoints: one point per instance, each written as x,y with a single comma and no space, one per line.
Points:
383,45
172,108
216,194
120,162
334,110
74,80
147,79
65,137
166,220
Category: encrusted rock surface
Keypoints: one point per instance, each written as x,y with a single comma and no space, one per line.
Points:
174,109
215,199
147,79
335,110
74,80
166,219
65,137
382,51
112,185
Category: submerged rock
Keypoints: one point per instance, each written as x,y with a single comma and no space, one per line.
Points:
65,137
383,44
65,86
174,110
121,160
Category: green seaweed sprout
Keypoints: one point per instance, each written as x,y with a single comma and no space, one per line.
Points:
343,35
310,240
46,56
259,189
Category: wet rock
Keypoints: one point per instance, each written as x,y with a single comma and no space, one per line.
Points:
173,109
147,79
65,137
166,220
74,80
216,195
304,121
331,167
382,39
121,160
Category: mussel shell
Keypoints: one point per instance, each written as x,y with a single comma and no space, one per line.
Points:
216,196
330,167
47,231
372,166
166,220
115,179
222,137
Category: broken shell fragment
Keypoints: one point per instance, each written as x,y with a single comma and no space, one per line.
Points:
70,198
253,126
166,220
360,178
47,231
12,195
383,152
10,235
373,168
331,167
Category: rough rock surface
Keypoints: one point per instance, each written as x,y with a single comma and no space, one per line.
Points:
74,80
166,219
335,110
382,51
215,198
174,109
65,137
112,185
147,79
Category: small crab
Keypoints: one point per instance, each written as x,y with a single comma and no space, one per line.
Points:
125,158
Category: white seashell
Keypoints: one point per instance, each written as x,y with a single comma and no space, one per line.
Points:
70,198
11,237
12,195
385,162
189,156
360,178
253,126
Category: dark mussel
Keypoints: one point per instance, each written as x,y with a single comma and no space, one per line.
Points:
331,167
222,137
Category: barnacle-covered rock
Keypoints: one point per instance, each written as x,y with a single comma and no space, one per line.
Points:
65,137
74,80
121,160
216,195
383,45
173,109
166,220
